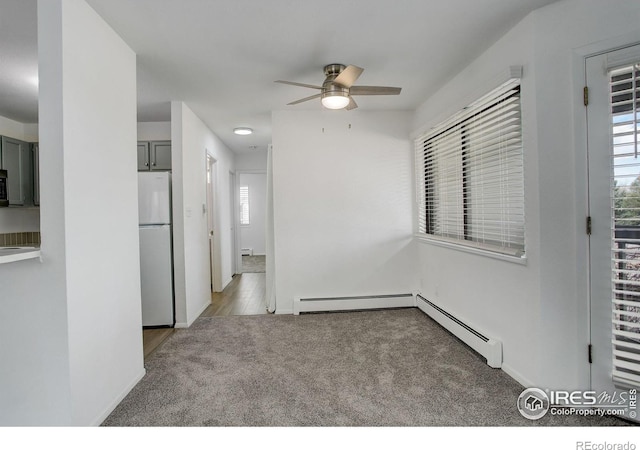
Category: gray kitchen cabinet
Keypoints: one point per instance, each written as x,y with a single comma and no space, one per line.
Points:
35,158
154,155
143,156
15,158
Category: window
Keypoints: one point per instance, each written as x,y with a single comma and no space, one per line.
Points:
470,175
624,91
244,205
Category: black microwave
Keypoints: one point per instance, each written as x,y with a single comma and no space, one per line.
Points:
4,194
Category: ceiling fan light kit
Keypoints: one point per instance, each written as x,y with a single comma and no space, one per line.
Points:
338,88
335,100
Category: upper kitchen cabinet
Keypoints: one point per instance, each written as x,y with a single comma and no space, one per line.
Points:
16,159
35,154
154,155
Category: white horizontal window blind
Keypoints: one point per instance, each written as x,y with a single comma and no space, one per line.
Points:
244,205
470,175
625,123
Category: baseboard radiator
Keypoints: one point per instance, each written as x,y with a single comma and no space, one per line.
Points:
246,251
489,348
323,304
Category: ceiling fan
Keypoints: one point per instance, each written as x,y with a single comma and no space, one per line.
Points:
337,90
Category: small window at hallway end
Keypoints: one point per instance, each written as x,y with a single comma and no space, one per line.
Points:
244,205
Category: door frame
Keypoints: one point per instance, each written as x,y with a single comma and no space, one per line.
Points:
236,216
583,268
233,209
213,223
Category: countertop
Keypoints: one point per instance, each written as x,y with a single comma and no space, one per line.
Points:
18,253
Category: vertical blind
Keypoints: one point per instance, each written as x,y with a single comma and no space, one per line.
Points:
470,175
625,192
244,205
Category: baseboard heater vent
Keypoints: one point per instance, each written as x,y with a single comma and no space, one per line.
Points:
491,349
317,304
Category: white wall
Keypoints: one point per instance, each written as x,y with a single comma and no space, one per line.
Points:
15,220
538,310
253,236
101,212
154,131
342,204
255,160
191,140
72,341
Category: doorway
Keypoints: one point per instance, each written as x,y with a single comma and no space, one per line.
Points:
613,128
252,196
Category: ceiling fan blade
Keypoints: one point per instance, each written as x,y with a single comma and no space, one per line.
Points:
374,90
348,76
305,99
293,83
352,104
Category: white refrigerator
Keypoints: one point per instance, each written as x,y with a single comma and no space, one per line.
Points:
156,254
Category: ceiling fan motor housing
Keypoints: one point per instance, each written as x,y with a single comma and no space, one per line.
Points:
329,88
333,69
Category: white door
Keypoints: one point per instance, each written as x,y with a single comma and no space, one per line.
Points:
234,218
211,221
613,120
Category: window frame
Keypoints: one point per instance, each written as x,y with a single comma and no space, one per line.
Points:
248,205
425,194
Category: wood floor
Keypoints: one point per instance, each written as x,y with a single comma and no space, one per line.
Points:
244,296
152,339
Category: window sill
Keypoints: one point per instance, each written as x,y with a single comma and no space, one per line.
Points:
521,260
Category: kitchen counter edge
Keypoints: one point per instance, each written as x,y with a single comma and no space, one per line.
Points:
19,255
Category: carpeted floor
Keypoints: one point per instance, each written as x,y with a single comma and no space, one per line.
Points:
391,367
253,263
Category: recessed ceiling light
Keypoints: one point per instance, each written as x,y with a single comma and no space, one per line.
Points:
242,131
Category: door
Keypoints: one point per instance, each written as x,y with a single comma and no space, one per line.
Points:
35,150
211,221
613,121
160,155
143,156
234,218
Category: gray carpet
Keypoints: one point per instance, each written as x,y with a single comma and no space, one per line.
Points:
391,367
253,263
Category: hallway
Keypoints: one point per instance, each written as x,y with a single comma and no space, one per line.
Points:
244,296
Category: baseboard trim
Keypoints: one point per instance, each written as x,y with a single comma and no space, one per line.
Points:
181,325
190,322
224,284
325,304
506,368
102,417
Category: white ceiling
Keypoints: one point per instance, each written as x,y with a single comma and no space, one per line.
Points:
221,56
